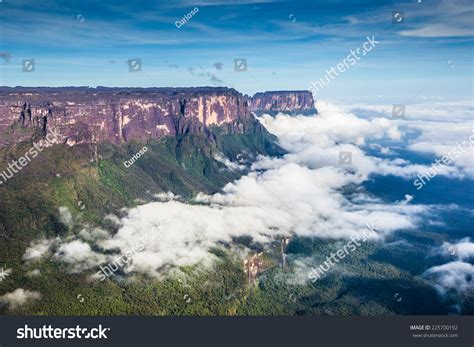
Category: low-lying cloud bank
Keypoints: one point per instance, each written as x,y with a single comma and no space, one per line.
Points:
440,127
300,193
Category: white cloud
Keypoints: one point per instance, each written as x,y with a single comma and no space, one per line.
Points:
37,249
168,196
112,218
332,125
437,30
221,158
407,200
19,297
445,18
191,230
463,250
33,273
456,275
438,128
317,141
78,253
65,216
89,234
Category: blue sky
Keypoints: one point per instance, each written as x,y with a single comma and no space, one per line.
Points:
287,45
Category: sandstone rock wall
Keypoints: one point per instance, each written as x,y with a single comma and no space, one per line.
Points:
290,102
119,115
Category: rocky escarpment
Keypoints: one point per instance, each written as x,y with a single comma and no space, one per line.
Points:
289,102
119,114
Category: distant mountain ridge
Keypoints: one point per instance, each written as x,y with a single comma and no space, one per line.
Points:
118,115
287,101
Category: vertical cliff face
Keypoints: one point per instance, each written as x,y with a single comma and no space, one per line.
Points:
290,102
120,115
